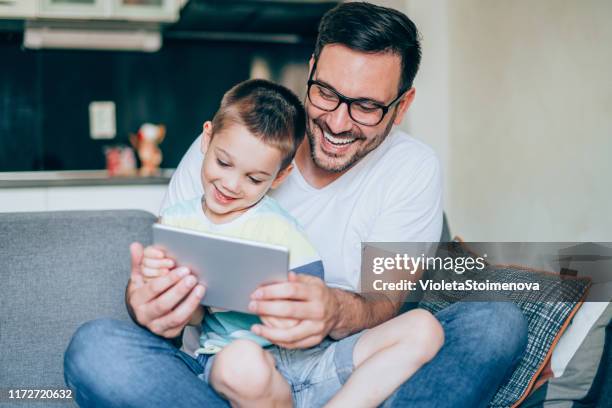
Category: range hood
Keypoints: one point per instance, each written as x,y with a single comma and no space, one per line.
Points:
92,36
234,20
250,20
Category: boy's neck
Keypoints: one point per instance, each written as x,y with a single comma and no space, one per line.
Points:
224,218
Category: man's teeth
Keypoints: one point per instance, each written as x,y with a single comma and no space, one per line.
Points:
337,140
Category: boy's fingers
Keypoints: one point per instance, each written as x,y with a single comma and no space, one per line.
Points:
157,262
154,272
154,252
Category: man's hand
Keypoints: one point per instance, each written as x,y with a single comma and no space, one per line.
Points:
165,304
304,298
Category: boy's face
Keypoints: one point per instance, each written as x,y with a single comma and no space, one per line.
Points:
237,171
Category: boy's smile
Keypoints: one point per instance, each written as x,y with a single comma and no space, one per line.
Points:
238,170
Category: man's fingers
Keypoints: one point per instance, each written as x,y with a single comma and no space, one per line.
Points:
136,278
301,331
169,299
289,309
302,344
284,290
136,254
174,321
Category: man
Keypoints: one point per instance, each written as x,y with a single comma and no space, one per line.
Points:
355,180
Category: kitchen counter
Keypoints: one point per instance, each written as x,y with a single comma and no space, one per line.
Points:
23,179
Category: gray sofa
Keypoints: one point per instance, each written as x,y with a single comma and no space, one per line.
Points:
60,269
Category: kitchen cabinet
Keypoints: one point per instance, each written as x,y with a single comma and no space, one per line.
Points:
75,8
157,10
18,8
137,10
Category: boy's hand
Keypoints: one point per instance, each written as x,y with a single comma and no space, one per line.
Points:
155,263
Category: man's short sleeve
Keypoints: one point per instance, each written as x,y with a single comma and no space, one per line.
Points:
186,182
413,206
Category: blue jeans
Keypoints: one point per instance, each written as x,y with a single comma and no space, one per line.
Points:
118,364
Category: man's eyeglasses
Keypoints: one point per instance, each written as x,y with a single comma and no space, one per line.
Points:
363,111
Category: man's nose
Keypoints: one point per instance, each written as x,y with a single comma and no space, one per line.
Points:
339,120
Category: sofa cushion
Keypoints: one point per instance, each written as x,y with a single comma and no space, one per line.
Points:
59,270
548,313
576,375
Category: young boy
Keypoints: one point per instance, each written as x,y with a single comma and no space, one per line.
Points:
248,149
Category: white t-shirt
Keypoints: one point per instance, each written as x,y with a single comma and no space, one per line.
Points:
393,194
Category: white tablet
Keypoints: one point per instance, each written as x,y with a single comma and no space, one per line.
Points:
230,268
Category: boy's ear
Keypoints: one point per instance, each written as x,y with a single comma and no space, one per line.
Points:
206,136
281,176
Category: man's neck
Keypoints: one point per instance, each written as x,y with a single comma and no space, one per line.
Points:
314,175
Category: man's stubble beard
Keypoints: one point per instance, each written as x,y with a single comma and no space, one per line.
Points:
373,143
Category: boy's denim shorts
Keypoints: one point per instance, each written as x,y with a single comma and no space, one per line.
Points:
315,375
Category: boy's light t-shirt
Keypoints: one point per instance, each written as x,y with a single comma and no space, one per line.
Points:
266,222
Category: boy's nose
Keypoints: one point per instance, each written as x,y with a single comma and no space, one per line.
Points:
231,185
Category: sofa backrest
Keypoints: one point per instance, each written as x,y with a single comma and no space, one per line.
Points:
57,271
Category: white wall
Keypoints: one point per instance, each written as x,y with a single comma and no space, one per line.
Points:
516,97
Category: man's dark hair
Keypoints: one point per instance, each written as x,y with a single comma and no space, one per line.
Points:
369,28
269,111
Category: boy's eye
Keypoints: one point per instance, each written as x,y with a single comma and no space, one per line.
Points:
255,181
222,163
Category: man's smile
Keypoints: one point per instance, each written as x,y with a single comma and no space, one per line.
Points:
337,140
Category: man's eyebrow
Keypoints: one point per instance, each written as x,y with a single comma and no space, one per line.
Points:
360,98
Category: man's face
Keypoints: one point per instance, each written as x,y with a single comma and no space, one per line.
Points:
336,141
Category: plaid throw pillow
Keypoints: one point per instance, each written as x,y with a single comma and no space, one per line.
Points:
548,312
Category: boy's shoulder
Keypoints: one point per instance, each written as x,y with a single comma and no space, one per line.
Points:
269,212
183,208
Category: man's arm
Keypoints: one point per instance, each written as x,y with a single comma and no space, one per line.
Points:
321,310
185,182
357,312
412,213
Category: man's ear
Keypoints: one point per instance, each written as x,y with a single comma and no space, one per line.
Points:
281,176
206,136
404,105
311,65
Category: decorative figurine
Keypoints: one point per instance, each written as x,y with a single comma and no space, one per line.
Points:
145,142
120,161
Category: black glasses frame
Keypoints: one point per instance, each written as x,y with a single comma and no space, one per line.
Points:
349,101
